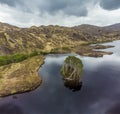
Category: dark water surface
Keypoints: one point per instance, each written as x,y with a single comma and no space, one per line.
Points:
99,94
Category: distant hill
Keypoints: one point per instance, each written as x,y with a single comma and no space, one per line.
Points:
92,29
7,27
18,40
86,27
114,27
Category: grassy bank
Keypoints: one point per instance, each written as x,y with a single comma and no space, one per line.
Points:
14,58
18,57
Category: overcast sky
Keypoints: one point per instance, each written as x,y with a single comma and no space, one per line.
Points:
25,13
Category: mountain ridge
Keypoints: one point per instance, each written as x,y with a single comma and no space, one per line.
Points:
112,26
115,27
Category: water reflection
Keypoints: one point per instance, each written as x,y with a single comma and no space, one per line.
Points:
115,109
73,85
10,108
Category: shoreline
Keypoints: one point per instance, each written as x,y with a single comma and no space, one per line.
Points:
23,77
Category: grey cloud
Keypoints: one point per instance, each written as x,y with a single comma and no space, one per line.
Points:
115,109
110,4
69,7
79,8
52,5
7,2
11,2
59,12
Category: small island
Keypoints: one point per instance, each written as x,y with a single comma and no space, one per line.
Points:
71,71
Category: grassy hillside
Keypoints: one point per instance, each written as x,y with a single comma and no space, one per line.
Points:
114,27
26,40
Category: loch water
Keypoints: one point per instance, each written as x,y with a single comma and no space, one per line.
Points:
99,92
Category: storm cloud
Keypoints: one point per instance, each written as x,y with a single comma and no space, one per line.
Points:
110,4
69,7
60,12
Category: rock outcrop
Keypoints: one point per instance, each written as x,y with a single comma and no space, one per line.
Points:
72,71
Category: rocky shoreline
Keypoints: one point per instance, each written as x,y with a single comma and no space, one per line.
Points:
93,51
101,46
87,50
